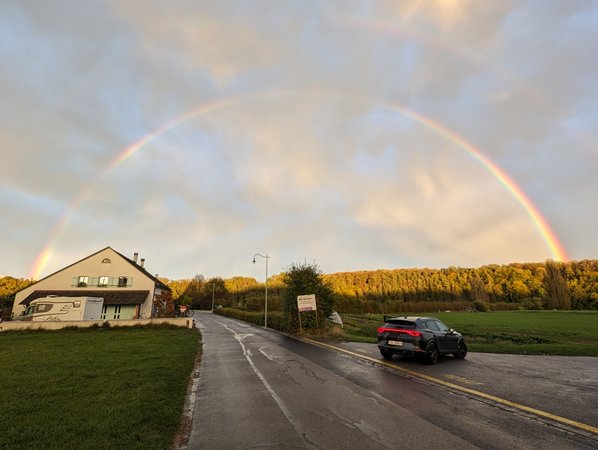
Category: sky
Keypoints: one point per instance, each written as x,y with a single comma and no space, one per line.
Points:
356,135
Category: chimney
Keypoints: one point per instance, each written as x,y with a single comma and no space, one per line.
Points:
142,262
135,255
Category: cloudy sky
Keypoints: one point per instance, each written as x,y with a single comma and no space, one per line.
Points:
354,134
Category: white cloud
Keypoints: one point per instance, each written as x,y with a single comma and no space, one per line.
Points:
320,165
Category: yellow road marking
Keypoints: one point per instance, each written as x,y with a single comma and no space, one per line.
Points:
502,401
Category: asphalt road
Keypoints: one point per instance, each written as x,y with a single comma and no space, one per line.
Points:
261,389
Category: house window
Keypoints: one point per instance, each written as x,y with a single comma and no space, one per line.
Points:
122,281
117,312
106,261
103,281
103,315
83,282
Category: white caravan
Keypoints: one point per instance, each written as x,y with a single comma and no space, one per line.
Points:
60,309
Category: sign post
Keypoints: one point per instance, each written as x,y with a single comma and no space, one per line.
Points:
306,303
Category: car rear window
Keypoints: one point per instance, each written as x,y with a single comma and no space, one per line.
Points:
397,323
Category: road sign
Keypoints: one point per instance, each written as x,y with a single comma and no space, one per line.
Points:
306,303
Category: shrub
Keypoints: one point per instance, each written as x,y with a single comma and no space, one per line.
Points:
480,306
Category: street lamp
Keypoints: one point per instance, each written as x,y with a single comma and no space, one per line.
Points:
266,284
213,285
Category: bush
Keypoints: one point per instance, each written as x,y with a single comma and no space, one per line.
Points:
276,319
532,303
307,279
5,307
480,306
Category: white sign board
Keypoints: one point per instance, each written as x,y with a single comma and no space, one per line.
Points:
306,302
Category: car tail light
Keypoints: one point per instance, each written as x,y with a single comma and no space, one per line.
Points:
394,330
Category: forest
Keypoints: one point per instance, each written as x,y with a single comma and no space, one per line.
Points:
530,286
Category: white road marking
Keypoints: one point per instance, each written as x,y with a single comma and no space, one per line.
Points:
275,397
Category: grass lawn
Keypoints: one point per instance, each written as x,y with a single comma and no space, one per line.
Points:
99,388
532,332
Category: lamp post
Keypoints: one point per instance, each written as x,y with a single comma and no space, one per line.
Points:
213,285
266,284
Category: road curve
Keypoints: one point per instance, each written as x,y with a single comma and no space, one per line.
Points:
262,389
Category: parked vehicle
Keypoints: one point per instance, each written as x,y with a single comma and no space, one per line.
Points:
60,309
419,336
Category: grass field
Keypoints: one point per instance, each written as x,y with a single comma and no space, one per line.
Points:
532,332
95,388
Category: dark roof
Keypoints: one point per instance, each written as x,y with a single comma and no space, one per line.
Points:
124,297
137,266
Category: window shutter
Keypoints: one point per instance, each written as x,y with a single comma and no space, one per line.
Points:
113,281
75,281
94,281
129,281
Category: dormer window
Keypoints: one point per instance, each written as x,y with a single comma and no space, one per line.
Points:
82,282
106,261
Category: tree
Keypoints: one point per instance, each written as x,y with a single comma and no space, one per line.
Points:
306,279
558,295
194,291
215,289
178,288
478,293
239,288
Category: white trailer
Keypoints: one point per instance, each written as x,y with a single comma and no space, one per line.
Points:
60,309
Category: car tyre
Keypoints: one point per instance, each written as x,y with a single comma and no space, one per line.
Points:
432,353
386,354
461,350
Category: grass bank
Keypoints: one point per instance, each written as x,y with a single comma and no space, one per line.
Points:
94,388
572,333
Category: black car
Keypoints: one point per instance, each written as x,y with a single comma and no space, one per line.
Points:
419,336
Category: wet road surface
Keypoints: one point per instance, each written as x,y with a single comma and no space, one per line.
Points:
262,389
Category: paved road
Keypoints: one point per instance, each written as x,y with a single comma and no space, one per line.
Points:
261,389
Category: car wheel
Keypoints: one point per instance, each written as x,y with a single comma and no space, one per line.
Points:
461,350
386,354
432,353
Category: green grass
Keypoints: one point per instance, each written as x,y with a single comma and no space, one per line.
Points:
95,388
518,332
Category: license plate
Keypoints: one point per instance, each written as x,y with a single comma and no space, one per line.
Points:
397,343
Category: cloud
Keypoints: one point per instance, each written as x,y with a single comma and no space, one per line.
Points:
311,161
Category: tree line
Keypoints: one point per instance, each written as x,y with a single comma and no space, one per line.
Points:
548,285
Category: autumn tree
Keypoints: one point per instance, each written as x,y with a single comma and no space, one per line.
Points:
478,293
558,295
194,291
178,288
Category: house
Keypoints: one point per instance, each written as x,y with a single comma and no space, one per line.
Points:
128,289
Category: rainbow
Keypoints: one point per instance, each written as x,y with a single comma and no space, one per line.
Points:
556,249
